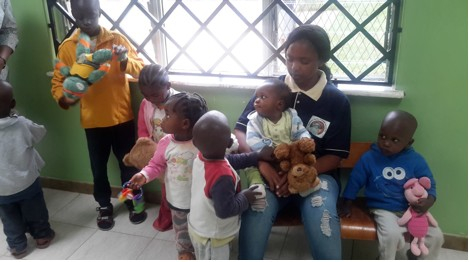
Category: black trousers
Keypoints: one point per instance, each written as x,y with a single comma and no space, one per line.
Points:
120,139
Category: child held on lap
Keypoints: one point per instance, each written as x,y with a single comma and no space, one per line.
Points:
22,205
273,122
383,171
216,200
173,159
155,87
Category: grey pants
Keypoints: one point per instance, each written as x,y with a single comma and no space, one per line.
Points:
183,241
392,244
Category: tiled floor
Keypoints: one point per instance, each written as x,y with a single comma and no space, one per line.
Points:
73,218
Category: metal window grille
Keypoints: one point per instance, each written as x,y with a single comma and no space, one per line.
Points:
245,38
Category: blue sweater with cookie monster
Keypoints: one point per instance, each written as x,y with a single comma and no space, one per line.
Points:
384,177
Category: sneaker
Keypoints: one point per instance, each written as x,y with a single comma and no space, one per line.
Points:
42,243
105,218
18,254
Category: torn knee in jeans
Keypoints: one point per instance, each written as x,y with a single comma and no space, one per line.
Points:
317,201
259,205
324,185
325,223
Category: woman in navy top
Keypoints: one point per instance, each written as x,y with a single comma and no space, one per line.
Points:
325,111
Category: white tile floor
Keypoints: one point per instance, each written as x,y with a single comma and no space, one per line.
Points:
73,217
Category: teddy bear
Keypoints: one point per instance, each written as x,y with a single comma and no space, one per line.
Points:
141,153
417,225
88,68
296,160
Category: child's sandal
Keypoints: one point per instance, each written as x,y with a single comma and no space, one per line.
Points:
105,220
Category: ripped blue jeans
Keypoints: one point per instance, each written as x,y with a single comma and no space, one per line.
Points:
319,215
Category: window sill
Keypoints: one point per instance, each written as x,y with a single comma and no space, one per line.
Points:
242,83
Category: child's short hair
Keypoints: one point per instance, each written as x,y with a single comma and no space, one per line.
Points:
281,89
190,105
153,75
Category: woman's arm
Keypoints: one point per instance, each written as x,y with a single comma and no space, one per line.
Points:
327,163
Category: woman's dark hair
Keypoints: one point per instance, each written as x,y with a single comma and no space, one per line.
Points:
153,75
189,105
281,89
318,38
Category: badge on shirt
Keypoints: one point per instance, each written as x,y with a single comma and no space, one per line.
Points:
318,126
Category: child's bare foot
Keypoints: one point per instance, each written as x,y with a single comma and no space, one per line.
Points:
186,256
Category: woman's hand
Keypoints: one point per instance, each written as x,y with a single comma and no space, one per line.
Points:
277,183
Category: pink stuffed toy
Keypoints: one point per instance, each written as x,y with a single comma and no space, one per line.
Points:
415,189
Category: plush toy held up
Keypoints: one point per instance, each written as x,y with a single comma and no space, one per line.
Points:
415,189
88,68
297,160
141,153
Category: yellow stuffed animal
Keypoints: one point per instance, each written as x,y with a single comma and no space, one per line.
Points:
297,160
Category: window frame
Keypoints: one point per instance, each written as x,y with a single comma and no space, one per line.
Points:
352,84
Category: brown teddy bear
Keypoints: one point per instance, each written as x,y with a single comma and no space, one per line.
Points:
141,153
297,160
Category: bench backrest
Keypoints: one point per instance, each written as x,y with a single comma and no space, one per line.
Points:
356,151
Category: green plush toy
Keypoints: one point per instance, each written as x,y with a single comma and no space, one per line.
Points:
88,68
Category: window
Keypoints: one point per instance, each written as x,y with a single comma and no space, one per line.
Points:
244,38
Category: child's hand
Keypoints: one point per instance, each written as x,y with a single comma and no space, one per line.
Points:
266,154
121,52
345,207
423,204
250,194
65,102
137,181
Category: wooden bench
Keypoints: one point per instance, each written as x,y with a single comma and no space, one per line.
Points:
360,226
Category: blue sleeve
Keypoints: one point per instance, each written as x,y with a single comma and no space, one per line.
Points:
356,179
243,160
254,137
298,129
243,120
226,201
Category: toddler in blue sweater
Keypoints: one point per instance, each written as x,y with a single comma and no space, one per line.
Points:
383,171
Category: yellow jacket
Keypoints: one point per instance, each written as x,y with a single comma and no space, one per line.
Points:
107,102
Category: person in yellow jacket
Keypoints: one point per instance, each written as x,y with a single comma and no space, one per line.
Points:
105,109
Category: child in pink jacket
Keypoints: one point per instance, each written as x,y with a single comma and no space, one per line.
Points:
156,89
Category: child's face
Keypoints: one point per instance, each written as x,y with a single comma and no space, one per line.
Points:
267,104
157,95
172,123
86,14
392,139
